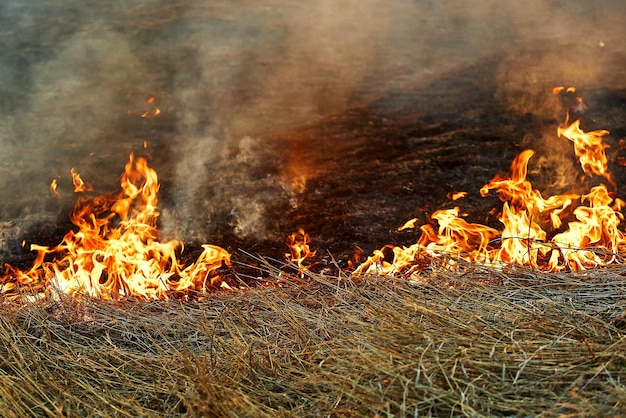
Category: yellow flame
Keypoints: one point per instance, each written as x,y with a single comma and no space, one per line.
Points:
533,233
53,189
116,251
408,225
299,251
589,148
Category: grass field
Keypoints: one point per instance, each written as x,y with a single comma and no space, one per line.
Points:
508,342
474,342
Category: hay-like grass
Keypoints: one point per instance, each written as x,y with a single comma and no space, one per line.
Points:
475,342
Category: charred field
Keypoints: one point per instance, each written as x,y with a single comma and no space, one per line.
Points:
262,118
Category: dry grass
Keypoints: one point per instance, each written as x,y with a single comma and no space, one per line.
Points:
476,342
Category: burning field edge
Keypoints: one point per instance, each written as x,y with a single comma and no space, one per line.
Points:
474,342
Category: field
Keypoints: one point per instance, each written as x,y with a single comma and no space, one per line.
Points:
475,342
343,118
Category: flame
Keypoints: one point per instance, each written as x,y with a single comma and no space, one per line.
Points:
79,184
589,149
53,189
115,250
299,251
538,232
560,89
456,195
408,224
594,239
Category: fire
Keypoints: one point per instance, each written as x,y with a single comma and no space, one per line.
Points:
594,239
79,184
115,250
589,149
538,232
525,213
456,195
53,188
560,89
410,224
299,251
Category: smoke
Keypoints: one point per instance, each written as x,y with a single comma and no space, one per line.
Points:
75,78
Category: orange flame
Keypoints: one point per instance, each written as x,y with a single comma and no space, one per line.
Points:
410,224
53,189
531,223
299,251
589,149
559,89
79,184
456,195
115,251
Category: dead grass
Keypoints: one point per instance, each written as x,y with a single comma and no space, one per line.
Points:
476,342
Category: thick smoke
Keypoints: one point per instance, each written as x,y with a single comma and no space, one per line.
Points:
76,77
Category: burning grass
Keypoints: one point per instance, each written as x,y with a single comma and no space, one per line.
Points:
475,342
522,329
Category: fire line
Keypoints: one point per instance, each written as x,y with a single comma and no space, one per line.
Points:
116,250
531,223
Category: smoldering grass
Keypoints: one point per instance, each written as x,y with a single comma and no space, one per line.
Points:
472,342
